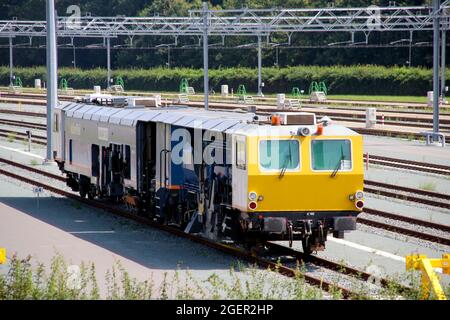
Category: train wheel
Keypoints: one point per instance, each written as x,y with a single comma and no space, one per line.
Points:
90,195
306,245
82,193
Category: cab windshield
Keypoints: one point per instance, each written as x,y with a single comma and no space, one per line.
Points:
331,154
279,154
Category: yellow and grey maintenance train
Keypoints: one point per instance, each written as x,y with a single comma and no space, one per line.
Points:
234,176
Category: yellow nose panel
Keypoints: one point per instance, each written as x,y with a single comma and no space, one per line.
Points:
305,189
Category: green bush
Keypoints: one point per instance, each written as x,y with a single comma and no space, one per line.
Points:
361,79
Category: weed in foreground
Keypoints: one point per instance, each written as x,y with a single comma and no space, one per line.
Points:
27,280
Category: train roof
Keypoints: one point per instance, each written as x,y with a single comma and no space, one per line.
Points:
184,116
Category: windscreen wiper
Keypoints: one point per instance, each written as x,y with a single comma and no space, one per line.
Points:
339,164
288,160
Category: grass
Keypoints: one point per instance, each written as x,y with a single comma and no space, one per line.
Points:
428,186
11,137
61,281
34,162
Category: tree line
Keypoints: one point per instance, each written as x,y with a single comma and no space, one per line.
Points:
305,49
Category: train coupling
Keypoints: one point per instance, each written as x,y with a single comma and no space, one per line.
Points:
277,225
341,224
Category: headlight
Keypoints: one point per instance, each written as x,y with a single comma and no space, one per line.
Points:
305,131
252,196
359,195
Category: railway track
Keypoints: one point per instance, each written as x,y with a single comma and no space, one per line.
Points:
233,250
266,101
23,113
24,124
427,125
401,230
392,192
409,164
17,135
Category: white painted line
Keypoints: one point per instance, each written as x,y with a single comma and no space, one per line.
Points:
367,249
89,232
372,250
23,152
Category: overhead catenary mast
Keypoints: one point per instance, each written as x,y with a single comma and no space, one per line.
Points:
52,77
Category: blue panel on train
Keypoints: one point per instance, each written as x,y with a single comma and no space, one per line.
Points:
176,170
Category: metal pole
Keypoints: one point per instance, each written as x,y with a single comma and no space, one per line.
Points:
168,57
10,61
108,61
259,68
410,48
29,140
276,55
52,77
74,57
436,4
205,54
443,65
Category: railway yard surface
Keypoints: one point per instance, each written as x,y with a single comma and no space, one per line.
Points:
53,223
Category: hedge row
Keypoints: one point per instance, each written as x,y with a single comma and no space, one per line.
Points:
370,80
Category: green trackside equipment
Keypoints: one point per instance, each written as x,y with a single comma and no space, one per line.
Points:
323,87
63,85
241,92
296,93
119,82
18,82
313,87
184,85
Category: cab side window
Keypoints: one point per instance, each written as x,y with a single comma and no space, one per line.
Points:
241,161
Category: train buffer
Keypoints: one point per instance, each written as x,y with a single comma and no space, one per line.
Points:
429,278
